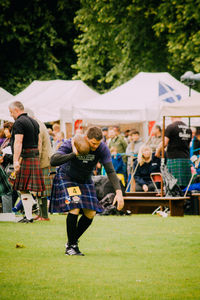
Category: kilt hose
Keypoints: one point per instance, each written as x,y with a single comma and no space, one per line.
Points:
180,168
5,186
29,177
61,201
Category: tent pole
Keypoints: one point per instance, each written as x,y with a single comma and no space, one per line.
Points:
163,151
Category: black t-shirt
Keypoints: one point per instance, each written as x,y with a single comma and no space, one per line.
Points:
30,130
179,135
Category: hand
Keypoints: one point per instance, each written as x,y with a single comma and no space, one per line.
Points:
145,188
74,148
119,199
1,159
16,166
157,153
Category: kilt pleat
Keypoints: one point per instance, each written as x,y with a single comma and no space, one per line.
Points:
29,177
48,180
62,202
180,168
5,186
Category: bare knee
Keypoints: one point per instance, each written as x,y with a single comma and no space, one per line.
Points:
89,213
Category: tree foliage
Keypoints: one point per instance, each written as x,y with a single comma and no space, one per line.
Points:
36,41
117,39
121,38
179,21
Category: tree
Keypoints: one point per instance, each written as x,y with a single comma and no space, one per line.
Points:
117,41
179,21
36,41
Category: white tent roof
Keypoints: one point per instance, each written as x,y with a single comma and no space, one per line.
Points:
188,107
139,99
48,98
4,96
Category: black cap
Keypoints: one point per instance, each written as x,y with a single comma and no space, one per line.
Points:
104,129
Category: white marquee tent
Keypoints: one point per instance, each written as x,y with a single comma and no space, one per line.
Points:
189,107
4,96
48,98
137,100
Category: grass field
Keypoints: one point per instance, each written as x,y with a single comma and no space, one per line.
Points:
127,257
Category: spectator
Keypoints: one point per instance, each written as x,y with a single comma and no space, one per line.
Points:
105,134
51,135
196,143
156,138
56,128
118,141
133,148
145,164
177,140
60,137
126,134
2,136
6,163
118,164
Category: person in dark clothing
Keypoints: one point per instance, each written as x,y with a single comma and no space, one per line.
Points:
177,140
73,189
145,164
24,145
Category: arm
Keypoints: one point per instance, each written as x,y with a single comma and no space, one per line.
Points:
58,159
159,148
17,151
116,185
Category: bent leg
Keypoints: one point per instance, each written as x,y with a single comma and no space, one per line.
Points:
85,221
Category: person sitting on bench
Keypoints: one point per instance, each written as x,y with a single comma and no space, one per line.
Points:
145,164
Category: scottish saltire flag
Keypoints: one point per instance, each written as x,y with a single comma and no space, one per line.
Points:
167,93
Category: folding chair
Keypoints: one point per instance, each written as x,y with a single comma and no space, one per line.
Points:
157,178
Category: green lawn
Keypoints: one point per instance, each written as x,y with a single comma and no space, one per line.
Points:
127,257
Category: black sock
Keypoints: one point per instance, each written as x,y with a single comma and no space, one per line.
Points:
83,225
71,223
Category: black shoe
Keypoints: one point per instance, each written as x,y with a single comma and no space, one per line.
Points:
22,220
25,220
73,250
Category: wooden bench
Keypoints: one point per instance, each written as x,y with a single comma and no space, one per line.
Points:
135,200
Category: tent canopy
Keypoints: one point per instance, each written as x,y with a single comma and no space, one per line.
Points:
48,98
137,100
4,96
189,107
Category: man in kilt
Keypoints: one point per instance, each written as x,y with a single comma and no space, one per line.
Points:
45,153
24,144
73,189
177,140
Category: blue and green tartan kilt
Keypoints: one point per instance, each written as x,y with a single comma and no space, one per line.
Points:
5,186
62,202
180,168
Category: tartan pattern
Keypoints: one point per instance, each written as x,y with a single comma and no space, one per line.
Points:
29,177
5,187
59,195
48,180
180,168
